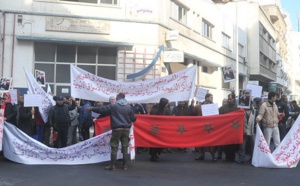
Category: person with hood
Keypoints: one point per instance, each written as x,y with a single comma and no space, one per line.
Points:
159,109
9,110
121,118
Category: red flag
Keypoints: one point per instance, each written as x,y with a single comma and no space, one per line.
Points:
185,131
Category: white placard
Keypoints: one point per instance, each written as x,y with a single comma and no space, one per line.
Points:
33,100
210,109
256,90
14,96
200,94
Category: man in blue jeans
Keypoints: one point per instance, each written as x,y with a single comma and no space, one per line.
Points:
121,118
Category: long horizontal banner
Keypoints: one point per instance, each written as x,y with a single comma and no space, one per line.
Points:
19,147
184,131
178,86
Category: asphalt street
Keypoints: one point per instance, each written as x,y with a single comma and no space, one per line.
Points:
175,168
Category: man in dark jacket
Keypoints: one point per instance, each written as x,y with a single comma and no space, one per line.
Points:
59,120
121,118
282,108
159,109
227,108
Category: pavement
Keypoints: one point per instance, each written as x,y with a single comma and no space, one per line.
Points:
177,168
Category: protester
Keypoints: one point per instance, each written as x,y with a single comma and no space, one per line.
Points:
25,120
85,119
295,109
220,148
159,109
249,126
182,109
59,120
10,111
282,106
121,118
39,125
210,149
138,109
227,108
74,124
269,115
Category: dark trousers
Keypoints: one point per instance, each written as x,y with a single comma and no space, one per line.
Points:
230,151
47,133
85,132
282,130
62,137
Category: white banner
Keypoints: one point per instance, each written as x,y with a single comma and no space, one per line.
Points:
286,155
35,88
19,147
175,87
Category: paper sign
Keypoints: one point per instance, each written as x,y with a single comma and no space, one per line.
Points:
256,90
33,100
210,109
14,95
200,94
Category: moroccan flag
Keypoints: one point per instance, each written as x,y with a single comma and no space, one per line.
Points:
102,125
185,131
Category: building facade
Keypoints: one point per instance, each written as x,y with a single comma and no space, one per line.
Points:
115,38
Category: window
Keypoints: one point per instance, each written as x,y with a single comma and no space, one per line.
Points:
206,29
225,41
111,2
55,59
241,50
179,12
204,69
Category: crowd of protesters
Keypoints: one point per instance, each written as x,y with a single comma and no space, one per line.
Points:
274,114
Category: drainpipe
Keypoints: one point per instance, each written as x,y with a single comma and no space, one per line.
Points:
13,47
3,43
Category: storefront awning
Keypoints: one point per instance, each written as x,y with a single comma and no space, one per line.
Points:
73,41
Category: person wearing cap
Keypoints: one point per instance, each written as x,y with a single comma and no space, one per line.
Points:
121,118
59,121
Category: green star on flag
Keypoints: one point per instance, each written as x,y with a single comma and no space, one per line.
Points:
208,128
235,125
181,129
155,130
